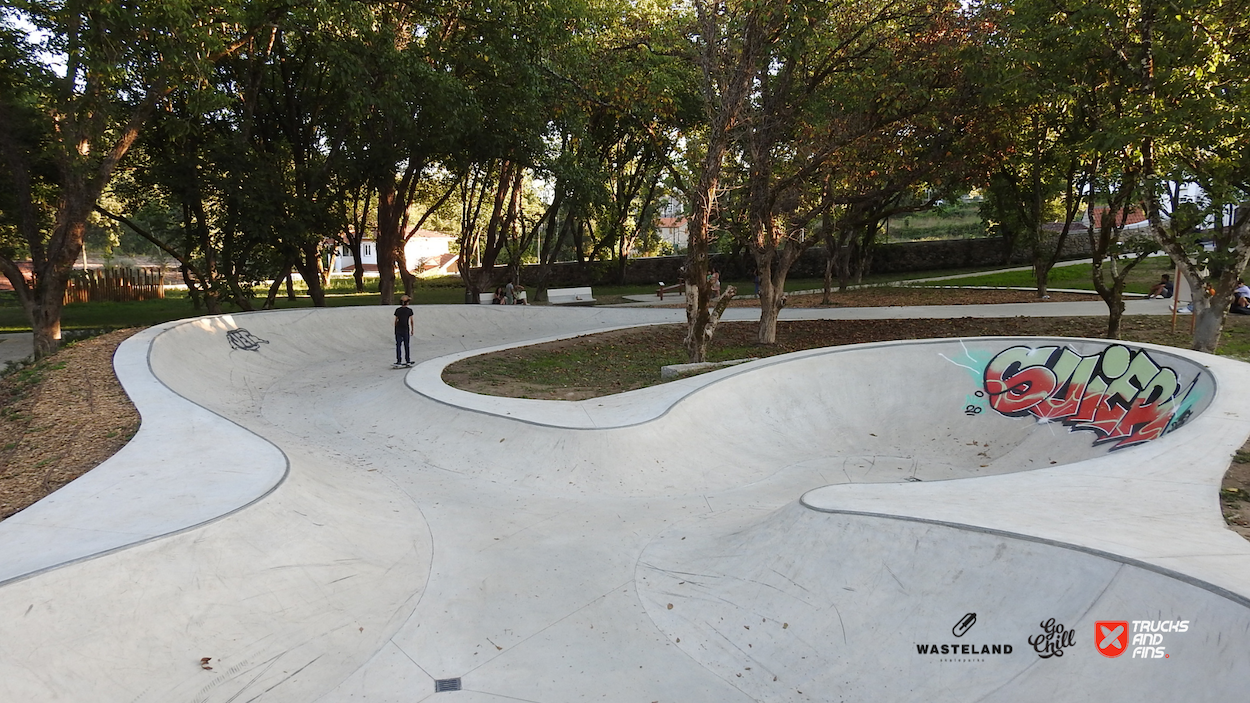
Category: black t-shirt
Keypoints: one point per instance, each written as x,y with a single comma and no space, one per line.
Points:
402,314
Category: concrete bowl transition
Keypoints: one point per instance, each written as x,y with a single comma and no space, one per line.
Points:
990,519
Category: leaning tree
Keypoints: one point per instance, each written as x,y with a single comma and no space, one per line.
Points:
76,95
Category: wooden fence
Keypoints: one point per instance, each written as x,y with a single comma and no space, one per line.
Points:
115,284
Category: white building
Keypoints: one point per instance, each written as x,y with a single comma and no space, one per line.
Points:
672,225
674,230
426,251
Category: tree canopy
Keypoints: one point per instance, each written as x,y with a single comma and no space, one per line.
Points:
250,140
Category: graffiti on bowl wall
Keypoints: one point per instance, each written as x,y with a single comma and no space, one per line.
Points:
1121,394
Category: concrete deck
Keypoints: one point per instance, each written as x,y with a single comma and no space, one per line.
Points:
324,528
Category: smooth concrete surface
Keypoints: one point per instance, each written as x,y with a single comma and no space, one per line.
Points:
153,486
790,529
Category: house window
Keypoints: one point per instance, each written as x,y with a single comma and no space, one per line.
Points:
368,250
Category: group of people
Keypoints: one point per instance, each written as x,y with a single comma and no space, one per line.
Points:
1241,294
1241,299
509,295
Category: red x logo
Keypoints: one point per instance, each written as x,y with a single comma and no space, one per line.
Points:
1111,637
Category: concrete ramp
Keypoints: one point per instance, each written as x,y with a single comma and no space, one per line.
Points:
801,605
817,526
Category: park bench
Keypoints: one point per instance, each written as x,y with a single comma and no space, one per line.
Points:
486,298
669,289
570,296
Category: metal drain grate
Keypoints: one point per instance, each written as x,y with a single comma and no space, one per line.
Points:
441,685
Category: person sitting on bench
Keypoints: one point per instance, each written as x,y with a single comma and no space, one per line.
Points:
1162,289
1241,299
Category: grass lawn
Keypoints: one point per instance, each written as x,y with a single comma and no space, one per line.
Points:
442,291
448,291
612,362
177,305
1079,276
746,287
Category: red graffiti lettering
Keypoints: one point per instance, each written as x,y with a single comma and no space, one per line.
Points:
1019,378
1121,395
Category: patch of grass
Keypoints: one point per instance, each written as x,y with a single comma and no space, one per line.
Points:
580,367
105,316
1234,339
108,315
614,362
746,287
1078,276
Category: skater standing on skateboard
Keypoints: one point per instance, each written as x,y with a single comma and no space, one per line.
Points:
404,329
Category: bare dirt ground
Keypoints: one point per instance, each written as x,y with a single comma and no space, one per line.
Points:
61,418
67,414
1235,493
622,360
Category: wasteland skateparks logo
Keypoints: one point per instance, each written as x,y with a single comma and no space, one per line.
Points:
965,623
1123,396
961,652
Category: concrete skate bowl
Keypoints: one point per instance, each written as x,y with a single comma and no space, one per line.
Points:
898,411
417,539
859,592
869,413
803,605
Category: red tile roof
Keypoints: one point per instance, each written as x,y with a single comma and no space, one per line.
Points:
1134,216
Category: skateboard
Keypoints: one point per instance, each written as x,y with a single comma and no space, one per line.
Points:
402,366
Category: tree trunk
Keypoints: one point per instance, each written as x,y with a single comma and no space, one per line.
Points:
46,320
389,215
843,266
770,296
773,267
52,273
771,301
358,269
1115,312
194,290
698,320
237,294
863,251
272,297
826,233
1208,327
410,281
309,266
1041,277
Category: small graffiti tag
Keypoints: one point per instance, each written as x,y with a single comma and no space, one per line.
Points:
244,340
1121,394
975,408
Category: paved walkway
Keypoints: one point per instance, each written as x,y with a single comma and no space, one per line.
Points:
15,346
315,526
